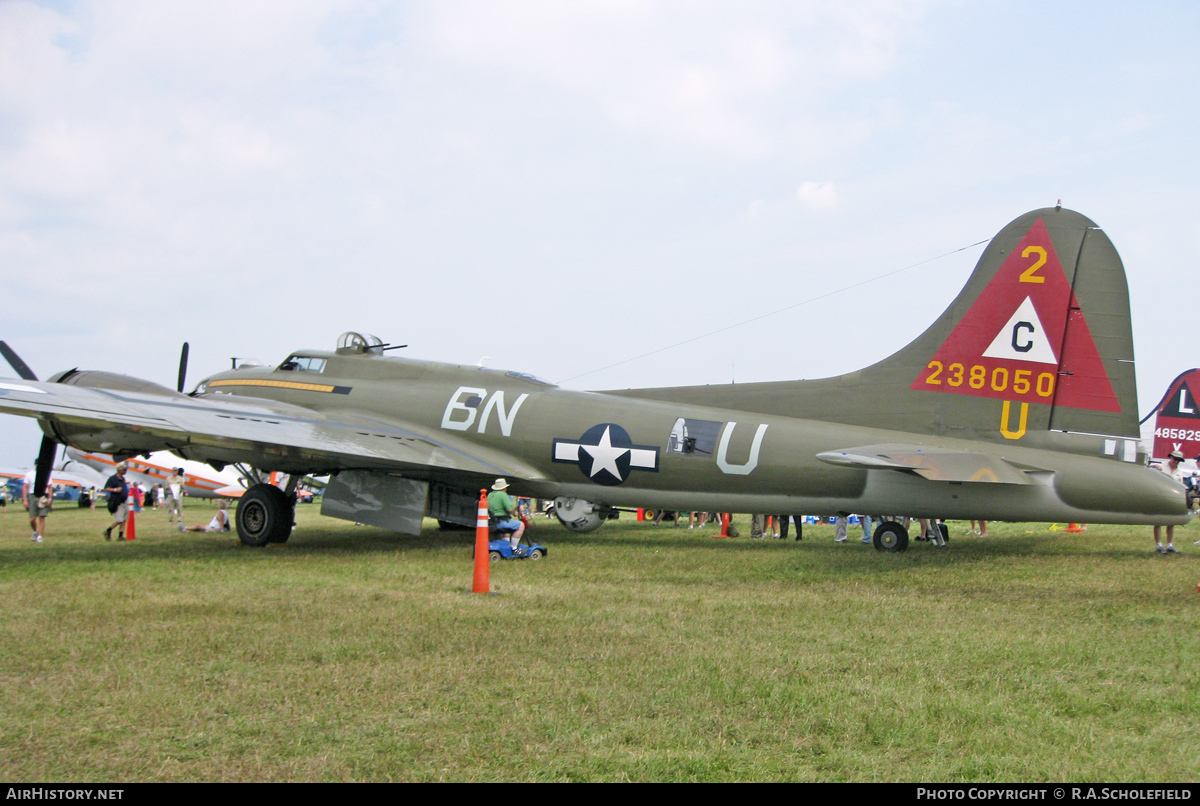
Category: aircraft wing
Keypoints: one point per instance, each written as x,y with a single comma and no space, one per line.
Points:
935,464
290,437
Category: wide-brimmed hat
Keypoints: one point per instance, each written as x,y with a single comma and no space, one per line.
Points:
122,466
1176,455
500,484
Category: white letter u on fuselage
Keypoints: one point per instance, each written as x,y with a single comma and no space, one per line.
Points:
739,470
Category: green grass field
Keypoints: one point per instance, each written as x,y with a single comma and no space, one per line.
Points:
636,653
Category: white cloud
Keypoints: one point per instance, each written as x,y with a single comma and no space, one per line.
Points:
263,176
658,68
818,195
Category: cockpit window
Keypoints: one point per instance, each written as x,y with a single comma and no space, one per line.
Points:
693,437
299,363
525,376
360,342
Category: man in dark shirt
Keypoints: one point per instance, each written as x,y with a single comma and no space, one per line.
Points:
118,493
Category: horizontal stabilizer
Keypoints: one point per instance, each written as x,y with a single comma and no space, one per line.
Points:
935,464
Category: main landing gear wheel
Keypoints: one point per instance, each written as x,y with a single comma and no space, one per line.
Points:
890,536
264,515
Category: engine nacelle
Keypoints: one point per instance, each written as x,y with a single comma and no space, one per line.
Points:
111,380
580,516
118,440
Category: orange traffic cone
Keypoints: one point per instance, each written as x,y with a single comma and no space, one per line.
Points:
131,525
1073,528
482,583
724,526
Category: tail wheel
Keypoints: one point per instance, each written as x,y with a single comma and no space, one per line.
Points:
264,515
890,536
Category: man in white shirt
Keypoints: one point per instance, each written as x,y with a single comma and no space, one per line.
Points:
1172,468
175,497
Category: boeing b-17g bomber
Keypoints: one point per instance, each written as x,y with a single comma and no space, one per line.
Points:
1018,403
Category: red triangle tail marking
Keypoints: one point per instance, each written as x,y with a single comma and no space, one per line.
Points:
1030,275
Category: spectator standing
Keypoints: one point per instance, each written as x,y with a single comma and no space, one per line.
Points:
1172,468
175,497
659,516
118,501
783,525
37,505
839,529
865,521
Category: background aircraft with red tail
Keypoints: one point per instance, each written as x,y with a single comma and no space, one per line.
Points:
200,480
1174,424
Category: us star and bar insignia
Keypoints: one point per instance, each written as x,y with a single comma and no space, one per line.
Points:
606,454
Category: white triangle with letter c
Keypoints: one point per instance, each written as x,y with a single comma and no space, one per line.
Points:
1023,338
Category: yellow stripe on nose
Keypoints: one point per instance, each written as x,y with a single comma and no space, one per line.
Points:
306,387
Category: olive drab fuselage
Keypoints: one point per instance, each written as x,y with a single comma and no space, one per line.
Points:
623,451
1018,403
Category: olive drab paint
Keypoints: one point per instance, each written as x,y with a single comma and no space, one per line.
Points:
1017,403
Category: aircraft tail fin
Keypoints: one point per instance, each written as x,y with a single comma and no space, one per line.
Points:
1038,340
1043,328
1176,425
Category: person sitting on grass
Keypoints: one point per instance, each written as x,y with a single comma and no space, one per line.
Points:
219,523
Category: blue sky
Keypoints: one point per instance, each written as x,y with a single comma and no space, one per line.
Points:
561,186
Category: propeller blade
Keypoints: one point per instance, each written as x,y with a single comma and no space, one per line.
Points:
45,463
15,360
49,449
183,358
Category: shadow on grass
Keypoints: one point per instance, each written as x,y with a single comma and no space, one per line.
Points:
202,547
817,552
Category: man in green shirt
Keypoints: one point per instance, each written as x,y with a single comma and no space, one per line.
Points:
505,509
